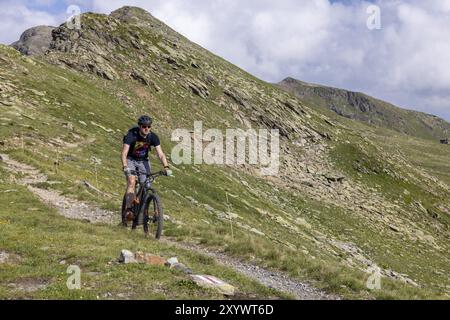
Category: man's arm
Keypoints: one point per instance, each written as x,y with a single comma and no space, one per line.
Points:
125,149
162,157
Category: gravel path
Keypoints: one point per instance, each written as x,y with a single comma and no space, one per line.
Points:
74,209
69,208
272,279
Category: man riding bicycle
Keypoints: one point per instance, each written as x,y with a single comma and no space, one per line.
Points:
136,146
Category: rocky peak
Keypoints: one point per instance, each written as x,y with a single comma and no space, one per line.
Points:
34,41
130,14
142,19
290,82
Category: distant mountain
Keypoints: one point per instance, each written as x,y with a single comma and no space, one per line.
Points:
359,106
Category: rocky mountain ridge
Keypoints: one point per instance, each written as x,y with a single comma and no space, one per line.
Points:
361,107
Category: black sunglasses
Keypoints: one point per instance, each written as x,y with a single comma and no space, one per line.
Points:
145,127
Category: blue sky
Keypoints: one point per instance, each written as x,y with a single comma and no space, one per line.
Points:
322,41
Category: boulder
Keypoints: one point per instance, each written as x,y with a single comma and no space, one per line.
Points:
102,70
173,263
34,41
150,259
126,257
334,178
198,88
170,262
181,267
142,78
237,96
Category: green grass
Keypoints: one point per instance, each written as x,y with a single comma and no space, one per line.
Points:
371,170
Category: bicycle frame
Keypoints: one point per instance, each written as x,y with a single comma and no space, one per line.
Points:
150,178
144,190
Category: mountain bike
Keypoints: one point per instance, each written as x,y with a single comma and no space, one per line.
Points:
146,200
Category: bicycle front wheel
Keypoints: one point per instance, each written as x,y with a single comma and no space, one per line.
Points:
154,213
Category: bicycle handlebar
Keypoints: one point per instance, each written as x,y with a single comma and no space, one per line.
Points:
153,175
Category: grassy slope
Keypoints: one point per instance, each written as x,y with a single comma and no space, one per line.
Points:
207,184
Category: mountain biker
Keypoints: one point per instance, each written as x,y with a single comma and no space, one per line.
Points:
136,145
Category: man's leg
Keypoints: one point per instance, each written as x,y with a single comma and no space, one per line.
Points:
129,194
145,168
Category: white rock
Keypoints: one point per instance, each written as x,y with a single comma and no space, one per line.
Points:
172,261
127,256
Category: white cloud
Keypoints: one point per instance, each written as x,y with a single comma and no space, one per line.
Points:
319,41
15,17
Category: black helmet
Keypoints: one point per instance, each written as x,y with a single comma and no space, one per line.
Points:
145,120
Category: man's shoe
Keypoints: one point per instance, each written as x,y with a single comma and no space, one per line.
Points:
129,215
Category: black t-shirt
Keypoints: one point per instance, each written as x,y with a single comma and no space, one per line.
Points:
140,146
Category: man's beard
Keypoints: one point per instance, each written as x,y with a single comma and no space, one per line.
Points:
143,134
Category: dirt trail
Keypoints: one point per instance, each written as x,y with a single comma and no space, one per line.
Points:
68,207
272,279
74,209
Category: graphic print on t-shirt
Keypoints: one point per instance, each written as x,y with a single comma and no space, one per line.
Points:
140,149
